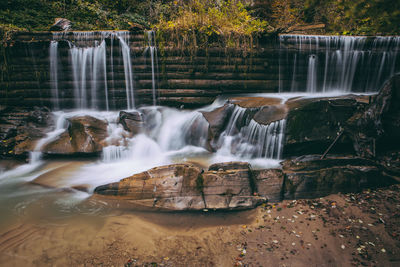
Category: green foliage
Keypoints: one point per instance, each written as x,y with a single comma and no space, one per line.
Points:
7,32
286,13
366,17
39,15
201,22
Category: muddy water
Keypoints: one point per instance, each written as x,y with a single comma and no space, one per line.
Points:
46,222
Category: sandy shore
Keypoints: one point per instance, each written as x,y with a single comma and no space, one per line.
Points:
339,230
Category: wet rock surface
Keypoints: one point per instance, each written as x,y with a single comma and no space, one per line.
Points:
186,187
131,121
310,177
234,185
217,120
85,134
313,124
269,183
378,127
20,129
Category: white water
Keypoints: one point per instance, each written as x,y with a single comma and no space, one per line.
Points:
88,59
168,136
345,63
312,74
152,49
54,74
246,139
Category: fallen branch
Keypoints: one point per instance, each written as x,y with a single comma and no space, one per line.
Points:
331,145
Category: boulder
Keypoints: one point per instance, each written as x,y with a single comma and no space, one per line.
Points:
185,187
85,134
263,110
172,187
21,128
217,120
269,184
61,24
229,186
313,124
377,129
131,121
269,114
310,176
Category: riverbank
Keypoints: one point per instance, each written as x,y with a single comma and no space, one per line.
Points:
339,230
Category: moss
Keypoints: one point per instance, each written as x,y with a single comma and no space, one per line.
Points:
200,183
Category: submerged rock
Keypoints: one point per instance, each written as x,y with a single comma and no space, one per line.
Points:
185,187
240,112
269,114
217,120
131,121
85,134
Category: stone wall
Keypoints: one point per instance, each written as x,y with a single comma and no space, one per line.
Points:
188,78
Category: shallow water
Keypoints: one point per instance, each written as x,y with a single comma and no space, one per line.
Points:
48,203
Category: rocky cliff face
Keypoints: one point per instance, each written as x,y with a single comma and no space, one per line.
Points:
21,128
377,129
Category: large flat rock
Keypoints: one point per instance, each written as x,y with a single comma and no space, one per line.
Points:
186,187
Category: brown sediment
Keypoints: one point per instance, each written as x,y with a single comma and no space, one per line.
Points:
338,230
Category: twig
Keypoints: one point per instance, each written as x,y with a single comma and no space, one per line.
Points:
333,143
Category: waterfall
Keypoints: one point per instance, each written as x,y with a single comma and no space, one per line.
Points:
152,49
350,64
114,153
89,66
126,55
88,61
60,119
312,74
181,128
54,74
246,138
262,141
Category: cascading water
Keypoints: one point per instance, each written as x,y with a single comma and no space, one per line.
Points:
54,73
345,63
89,65
246,138
126,56
152,48
312,74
